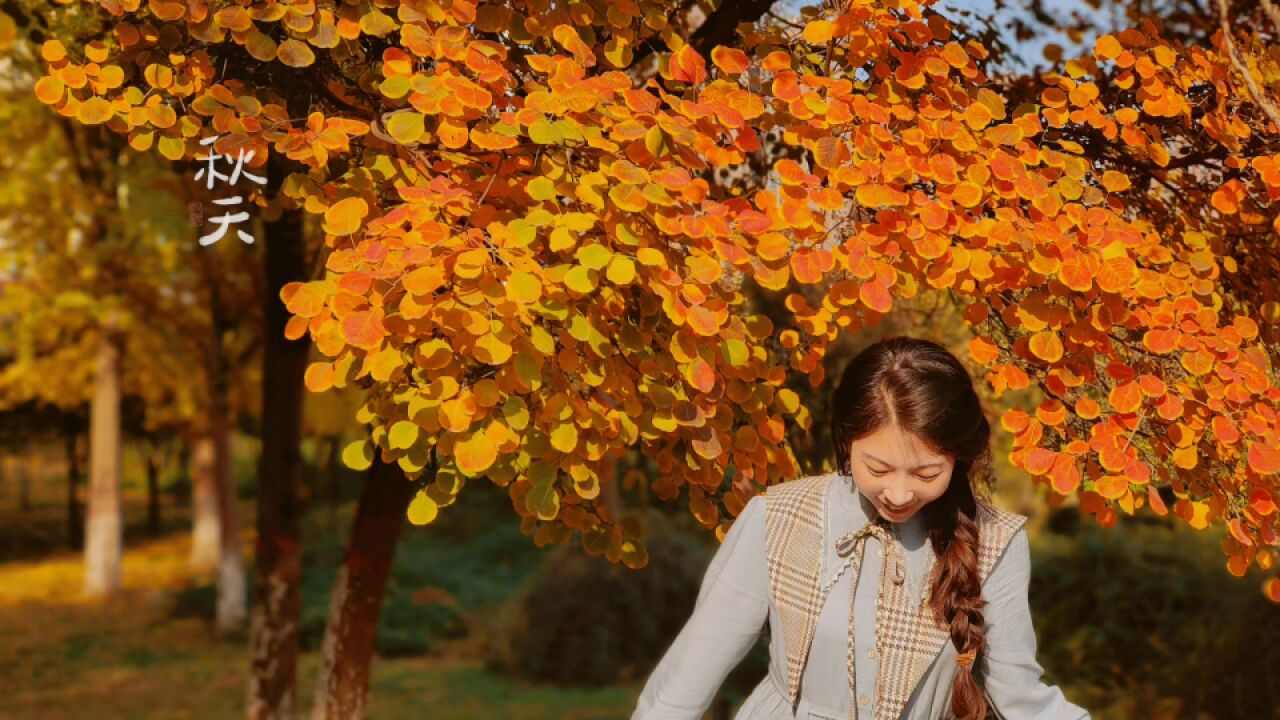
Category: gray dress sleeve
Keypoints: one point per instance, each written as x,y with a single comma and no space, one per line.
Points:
732,605
1013,680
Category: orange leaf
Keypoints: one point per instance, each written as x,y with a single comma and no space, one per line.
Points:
49,90
1237,530
688,66
475,454
1271,588
295,53
319,376
1112,487
729,60
1157,502
1125,397
875,296
819,31
983,350
1064,475
808,265
1115,181
1107,48
700,375
1160,340
705,322
1261,502
1264,458
305,299
1047,346
1039,461
363,328
1088,408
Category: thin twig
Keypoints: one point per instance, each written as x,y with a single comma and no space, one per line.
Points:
1256,92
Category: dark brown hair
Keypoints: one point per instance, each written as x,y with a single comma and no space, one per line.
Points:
921,387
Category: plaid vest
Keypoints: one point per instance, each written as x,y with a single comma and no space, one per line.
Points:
907,638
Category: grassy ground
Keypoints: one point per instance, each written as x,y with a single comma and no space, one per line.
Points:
63,657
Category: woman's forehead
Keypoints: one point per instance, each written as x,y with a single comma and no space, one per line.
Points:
894,446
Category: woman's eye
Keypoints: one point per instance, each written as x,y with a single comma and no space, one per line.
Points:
878,473
929,477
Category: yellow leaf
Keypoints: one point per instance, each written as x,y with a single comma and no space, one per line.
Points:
595,256
423,509
403,434
544,132
94,111
564,437
622,270
654,141
406,127
358,455
492,350
523,287
540,189
344,217
581,279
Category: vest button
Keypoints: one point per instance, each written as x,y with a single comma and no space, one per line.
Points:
871,654
864,700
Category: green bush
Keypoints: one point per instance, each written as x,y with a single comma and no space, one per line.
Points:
1142,620
588,622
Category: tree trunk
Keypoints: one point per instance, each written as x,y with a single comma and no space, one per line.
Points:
206,536
329,455
153,489
104,527
24,485
273,642
75,528
232,610
343,682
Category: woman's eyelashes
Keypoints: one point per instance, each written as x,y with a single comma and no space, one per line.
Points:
879,473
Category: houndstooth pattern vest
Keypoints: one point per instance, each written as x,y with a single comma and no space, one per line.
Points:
907,636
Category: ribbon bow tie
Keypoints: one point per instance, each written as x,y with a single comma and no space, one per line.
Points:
847,542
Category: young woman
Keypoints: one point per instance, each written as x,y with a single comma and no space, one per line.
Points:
890,590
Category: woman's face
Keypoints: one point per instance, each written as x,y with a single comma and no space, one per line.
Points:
897,472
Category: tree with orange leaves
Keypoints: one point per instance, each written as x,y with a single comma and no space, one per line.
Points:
531,270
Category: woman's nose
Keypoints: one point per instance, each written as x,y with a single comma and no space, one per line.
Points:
898,497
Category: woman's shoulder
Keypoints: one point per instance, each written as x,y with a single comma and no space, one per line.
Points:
995,517
797,487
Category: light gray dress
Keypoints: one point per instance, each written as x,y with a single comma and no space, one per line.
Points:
734,601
